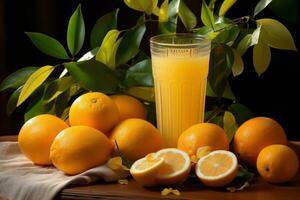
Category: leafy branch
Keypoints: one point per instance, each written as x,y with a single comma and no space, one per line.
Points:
115,63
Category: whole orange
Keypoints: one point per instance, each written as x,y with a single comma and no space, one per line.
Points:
79,148
277,163
136,138
96,110
129,107
203,134
255,134
37,135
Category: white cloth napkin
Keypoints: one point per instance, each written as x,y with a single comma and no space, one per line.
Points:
21,180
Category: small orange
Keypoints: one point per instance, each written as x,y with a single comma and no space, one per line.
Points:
255,134
79,148
277,163
203,134
96,110
37,135
129,107
136,138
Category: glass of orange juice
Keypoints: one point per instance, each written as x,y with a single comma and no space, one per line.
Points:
180,67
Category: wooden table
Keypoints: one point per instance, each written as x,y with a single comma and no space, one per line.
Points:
258,190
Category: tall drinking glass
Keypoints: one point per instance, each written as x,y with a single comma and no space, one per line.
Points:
180,68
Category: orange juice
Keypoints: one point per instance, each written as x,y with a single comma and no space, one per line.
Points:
180,75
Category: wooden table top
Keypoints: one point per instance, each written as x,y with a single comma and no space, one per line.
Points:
258,189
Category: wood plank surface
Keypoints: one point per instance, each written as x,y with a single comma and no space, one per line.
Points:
192,190
258,190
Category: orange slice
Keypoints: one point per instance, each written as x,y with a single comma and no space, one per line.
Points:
176,166
145,170
218,168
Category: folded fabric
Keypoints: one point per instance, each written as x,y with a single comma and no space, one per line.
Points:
20,179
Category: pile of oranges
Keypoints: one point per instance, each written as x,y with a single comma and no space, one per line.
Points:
100,127
259,143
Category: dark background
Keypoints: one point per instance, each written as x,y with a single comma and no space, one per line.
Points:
274,94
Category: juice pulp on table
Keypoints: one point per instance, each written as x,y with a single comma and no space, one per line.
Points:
180,87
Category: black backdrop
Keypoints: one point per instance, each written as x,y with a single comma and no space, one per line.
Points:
274,94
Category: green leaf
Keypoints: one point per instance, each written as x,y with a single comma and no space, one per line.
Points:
102,26
209,91
62,102
141,20
173,10
228,35
213,35
238,64
187,17
154,5
171,25
17,78
229,124
12,101
166,27
57,87
261,57
276,35
243,175
93,75
217,120
39,103
241,112
163,11
214,116
37,106
204,30
262,4
48,45
244,44
228,94
145,93
140,57
146,6
207,16
140,74
87,56
219,26
129,45
211,4
256,35
34,81
226,5
115,48
108,48
76,31
248,41
221,61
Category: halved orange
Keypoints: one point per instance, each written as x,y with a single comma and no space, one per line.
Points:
218,168
145,170
176,167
